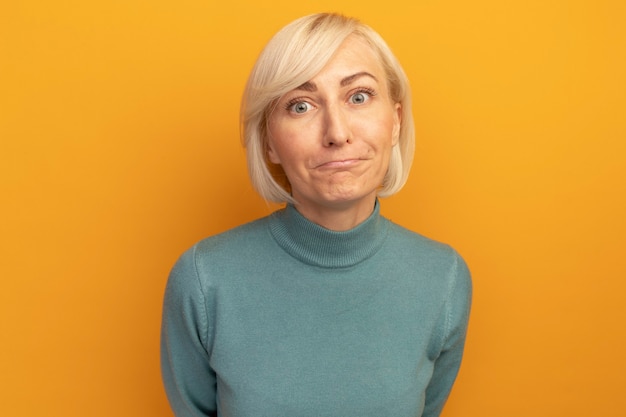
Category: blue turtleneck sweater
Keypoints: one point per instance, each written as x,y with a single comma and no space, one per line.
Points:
283,318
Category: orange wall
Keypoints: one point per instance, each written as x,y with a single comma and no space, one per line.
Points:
119,149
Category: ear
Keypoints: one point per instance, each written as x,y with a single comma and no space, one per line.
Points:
397,122
271,153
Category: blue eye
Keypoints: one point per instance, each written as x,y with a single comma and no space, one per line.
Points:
359,98
300,107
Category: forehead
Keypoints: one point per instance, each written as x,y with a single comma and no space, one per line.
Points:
355,55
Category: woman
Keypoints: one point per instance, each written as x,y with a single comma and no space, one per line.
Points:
323,308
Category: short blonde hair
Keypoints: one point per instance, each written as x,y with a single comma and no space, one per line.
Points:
297,53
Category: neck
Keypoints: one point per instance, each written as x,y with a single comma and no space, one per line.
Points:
338,217
315,245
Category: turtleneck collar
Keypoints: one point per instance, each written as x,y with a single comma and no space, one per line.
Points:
318,246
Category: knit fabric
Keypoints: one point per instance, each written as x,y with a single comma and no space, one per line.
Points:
283,318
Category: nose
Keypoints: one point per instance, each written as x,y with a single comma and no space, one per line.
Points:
337,127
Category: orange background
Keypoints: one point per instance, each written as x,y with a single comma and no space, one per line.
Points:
119,149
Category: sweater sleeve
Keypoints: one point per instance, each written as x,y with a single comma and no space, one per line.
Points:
189,381
449,360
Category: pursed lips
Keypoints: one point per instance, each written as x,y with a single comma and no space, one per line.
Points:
340,163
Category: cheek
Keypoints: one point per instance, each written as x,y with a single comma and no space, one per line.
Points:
276,138
382,132
283,145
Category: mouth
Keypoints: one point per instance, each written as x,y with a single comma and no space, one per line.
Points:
340,163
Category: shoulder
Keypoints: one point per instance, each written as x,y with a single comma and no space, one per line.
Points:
414,244
235,239
420,253
228,251
446,268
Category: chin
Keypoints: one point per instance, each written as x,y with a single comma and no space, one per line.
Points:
351,196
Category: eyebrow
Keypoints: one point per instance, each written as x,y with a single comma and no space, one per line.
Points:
351,78
311,87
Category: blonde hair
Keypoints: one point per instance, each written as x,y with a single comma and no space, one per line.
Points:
297,53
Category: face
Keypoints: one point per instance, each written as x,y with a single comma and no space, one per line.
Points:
333,135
